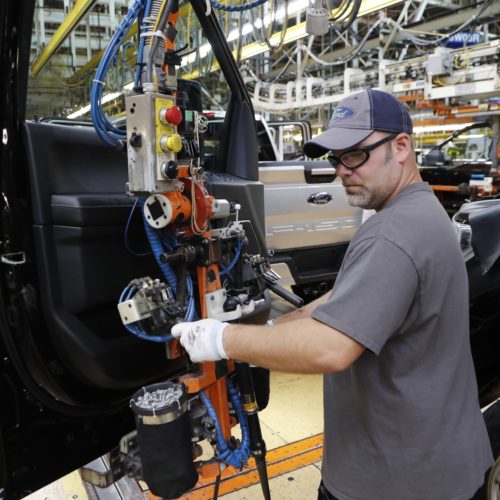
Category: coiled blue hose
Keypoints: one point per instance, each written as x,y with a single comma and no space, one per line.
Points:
159,240
236,8
242,419
238,458
155,242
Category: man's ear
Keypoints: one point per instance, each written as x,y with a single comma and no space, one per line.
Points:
402,147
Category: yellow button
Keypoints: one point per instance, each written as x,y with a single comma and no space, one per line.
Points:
174,143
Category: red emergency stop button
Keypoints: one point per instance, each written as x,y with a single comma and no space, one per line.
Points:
171,115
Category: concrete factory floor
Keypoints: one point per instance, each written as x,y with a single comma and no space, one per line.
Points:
291,426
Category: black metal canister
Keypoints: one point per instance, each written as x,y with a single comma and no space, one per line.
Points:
164,435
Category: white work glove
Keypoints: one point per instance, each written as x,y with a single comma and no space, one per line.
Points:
202,339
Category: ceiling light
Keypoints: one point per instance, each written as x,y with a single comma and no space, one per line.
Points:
440,128
85,109
317,19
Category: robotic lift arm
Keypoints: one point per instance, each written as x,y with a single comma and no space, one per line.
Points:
201,248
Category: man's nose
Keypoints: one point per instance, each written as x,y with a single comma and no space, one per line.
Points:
342,170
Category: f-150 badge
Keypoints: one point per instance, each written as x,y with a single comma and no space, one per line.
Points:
320,198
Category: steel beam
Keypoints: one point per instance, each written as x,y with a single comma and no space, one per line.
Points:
76,14
390,38
440,25
78,75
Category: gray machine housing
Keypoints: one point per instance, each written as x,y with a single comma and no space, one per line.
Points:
144,160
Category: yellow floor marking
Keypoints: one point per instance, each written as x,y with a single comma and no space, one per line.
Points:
74,487
279,461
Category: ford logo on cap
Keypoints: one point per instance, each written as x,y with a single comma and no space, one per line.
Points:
342,113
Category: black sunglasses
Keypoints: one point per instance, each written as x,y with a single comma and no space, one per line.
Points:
354,158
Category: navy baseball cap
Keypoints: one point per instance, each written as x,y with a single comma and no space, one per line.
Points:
356,117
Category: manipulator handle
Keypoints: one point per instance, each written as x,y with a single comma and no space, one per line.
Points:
284,293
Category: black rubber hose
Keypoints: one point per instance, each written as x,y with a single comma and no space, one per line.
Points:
156,41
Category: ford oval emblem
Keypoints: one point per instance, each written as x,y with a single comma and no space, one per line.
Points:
343,112
320,198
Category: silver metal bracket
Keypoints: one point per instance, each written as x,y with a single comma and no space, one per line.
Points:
121,461
14,258
107,478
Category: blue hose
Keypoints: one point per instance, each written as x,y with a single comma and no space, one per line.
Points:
236,400
156,244
107,131
238,458
158,241
136,330
236,8
237,253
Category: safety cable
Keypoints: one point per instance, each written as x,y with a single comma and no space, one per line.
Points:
285,26
125,234
348,8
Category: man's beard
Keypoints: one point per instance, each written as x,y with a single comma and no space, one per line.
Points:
363,198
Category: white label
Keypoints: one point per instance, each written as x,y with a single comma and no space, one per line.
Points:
465,88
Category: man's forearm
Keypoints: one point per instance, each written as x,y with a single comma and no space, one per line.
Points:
302,312
300,346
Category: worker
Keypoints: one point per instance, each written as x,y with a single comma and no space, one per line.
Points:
402,417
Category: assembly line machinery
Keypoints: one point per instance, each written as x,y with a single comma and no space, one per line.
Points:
470,72
202,249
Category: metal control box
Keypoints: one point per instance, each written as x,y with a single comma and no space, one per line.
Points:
147,151
439,63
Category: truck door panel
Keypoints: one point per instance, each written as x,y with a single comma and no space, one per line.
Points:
79,216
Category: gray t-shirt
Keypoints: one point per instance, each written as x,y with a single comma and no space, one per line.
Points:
403,422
